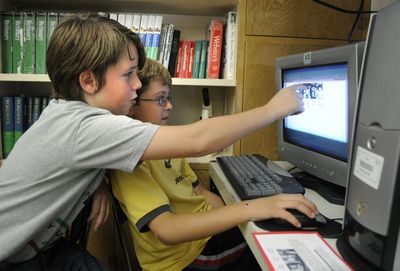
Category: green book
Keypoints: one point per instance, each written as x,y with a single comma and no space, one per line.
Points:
41,43
17,42
7,124
61,16
196,61
6,42
28,47
19,120
203,59
52,20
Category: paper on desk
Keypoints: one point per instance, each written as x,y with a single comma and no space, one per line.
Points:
305,251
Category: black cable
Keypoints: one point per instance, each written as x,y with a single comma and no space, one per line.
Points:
355,21
342,9
358,12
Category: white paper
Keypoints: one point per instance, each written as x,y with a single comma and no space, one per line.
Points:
305,251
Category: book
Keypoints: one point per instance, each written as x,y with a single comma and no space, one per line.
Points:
190,59
45,102
29,110
36,109
230,44
114,16
129,21
19,120
6,42
178,69
149,35
7,124
203,59
41,42
156,37
136,23
61,15
174,51
163,38
215,33
17,42
184,65
196,60
121,18
295,250
168,45
144,20
28,47
52,20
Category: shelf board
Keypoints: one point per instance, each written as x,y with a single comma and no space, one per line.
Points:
13,77
203,82
175,81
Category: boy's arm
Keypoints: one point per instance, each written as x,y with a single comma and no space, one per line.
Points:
213,199
213,134
101,206
172,228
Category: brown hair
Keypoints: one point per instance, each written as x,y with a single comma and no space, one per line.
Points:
89,42
152,70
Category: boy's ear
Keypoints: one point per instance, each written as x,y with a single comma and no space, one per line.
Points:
88,82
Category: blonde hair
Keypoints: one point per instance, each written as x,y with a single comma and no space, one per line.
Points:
152,70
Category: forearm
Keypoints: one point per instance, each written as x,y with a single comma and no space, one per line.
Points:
213,199
206,136
172,228
213,134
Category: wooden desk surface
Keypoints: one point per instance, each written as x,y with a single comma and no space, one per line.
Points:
229,196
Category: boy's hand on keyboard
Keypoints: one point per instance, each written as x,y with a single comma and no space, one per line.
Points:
276,207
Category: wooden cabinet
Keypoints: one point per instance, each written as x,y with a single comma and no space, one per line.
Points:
275,28
304,19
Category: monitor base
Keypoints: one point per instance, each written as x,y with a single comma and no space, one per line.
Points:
333,193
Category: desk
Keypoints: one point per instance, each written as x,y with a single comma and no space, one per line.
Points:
229,196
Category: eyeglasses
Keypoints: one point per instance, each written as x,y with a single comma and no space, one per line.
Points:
162,101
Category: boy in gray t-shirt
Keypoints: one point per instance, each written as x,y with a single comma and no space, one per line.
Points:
59,162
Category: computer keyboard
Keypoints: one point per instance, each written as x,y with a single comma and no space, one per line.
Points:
253,176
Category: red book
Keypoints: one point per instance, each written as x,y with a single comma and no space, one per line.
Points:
216,30
191,59
179,60
185,59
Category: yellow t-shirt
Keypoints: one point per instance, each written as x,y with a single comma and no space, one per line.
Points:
150,190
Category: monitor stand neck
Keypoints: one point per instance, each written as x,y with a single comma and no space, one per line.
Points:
331,192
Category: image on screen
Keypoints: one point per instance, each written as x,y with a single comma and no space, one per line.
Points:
323,126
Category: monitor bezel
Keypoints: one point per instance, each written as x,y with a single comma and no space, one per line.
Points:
320,165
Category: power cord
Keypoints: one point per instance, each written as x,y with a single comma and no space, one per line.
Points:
358,12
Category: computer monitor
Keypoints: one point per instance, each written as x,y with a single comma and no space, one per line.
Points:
317,141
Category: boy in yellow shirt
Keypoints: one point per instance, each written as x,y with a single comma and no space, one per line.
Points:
176,223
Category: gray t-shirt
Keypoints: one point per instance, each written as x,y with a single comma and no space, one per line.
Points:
55,166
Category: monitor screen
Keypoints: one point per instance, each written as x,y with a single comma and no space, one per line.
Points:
323,127
318,140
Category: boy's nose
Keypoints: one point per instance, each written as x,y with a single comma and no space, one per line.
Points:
136,84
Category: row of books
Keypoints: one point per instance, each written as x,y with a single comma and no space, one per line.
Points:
213,58
18,113
182,58
147,26
25,37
